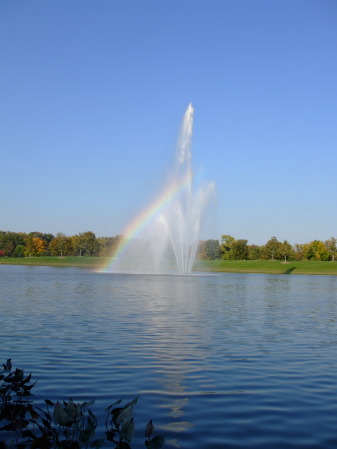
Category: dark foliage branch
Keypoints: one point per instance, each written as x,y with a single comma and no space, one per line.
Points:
65,425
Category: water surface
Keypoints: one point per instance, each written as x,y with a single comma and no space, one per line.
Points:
219,361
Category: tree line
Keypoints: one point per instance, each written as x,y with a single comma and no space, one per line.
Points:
19,244
228,248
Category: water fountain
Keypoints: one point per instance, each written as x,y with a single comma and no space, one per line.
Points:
165,236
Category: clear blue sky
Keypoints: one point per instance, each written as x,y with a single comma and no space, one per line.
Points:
92,95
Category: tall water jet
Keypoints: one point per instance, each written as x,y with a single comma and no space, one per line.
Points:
165,236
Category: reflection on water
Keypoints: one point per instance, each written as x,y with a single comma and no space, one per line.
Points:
232,360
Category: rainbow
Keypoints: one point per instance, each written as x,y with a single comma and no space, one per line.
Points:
145,217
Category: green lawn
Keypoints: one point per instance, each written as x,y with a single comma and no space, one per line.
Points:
230,266
267,266
68,261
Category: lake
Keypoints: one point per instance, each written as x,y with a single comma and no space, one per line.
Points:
219,361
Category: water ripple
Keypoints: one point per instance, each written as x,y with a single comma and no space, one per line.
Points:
227,361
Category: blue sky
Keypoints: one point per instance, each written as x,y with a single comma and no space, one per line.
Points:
92,95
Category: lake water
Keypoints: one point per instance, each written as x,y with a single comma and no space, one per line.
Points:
219,361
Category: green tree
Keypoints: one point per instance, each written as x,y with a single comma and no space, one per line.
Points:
209,249
108,245
47,238
88,243
78,245
29,247
331,246
7,244
286,250
299,251
271,249
61,246
19,251
226,246
239,250
254,252
9,241
316,250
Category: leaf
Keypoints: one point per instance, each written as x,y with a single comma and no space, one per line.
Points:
112,405
157,442
149,429
87,404
132,403
91,426
46,414
19,373
29,387
60,415
27,379
41,428
98,443
115,412
32,412
123,445
110,435
126,412
73,411
40,443
124,415
45,423
128,430
84,436
15,426
93,417
28,434
8,365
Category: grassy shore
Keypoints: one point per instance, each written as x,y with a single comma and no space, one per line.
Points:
267,266
225,266
50,261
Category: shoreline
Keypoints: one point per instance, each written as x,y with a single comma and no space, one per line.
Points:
216,266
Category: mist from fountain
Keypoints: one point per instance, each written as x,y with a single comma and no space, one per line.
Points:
168,231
